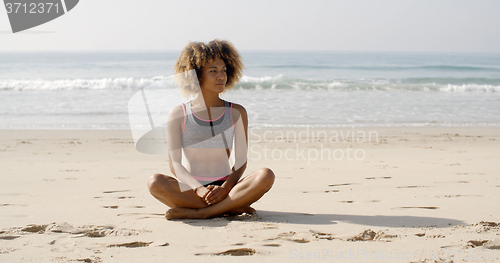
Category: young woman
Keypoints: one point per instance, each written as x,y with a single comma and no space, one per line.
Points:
207,140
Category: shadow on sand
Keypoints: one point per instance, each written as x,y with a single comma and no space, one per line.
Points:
331,219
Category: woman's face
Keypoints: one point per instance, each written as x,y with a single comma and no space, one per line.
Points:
214,77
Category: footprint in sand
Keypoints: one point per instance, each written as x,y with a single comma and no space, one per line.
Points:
366,235
64,245
381,177
456,196
289,236
485,226
231,252
132,244
434,260
436,236
12,205
7,250
340,184
111,206
486,244
272,245
115,191
8,237
88,231
39,229
94,259
370,235
321,235
419,207
492,244
489,224
67,244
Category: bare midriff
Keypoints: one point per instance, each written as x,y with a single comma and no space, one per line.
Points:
207,162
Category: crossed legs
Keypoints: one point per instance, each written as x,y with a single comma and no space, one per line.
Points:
187,204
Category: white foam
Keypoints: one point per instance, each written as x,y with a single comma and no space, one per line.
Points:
261,79
72,84
469,88
246,82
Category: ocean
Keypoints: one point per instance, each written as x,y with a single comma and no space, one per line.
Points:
91,90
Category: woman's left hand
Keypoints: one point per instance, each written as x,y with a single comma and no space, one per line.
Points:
216,194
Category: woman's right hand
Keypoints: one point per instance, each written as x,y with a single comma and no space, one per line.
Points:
202,192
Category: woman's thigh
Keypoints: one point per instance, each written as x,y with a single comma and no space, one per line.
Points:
263,174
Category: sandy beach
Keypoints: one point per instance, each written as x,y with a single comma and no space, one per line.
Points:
343,195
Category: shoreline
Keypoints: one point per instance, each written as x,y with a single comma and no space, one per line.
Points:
346,126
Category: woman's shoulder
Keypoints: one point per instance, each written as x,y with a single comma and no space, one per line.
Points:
177,111
238,111
239,108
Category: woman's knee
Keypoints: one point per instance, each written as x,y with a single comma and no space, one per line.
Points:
155,181
266,176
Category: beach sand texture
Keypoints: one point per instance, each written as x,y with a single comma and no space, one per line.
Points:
417,195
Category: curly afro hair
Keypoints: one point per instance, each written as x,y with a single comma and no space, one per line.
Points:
196,54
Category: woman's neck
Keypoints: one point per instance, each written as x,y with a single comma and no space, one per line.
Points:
209,99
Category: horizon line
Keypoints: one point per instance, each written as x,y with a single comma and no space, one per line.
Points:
245,50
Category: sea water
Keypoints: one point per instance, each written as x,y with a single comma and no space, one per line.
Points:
91,90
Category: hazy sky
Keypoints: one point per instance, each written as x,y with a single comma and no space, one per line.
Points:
350,25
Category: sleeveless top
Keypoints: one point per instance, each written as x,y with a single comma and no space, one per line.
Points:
201,133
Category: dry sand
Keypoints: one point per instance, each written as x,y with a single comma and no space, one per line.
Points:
408,195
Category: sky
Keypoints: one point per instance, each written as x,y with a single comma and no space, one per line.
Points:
313,25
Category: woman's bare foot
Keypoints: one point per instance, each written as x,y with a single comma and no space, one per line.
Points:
184,213
240,210
192,213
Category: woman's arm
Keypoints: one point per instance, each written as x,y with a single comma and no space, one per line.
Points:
174,127
240,123
240,119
